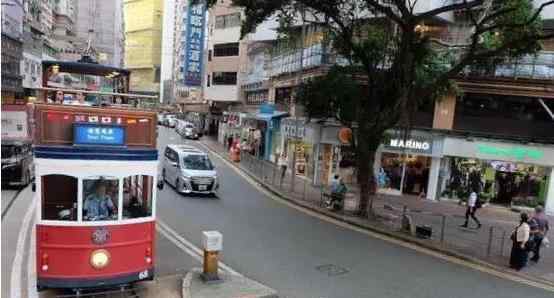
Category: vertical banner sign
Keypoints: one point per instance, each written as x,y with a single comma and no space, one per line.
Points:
195,43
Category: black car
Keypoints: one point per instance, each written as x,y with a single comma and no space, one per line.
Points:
17,163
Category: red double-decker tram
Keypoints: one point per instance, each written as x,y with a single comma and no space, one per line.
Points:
96,175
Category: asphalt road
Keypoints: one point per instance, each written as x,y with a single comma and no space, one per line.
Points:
297,254
8,194
289,250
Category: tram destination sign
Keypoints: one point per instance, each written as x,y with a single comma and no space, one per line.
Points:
98,134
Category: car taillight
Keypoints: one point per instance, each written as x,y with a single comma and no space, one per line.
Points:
148,255
44,262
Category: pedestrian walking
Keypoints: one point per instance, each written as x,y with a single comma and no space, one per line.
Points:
520,237
472,205
538,229
282,162
335,183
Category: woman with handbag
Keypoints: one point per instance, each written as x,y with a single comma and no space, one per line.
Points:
520,237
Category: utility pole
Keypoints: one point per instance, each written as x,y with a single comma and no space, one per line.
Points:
293,104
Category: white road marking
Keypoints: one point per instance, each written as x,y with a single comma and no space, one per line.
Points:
395,241
187,246
15,282
31,264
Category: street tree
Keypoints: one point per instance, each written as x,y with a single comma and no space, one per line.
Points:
394,64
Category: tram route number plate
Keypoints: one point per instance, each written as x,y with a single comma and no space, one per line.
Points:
202,187
143,274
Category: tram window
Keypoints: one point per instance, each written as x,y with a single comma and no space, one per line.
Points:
100,198
59,197
137,196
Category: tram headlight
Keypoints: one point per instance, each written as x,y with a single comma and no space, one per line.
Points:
100,258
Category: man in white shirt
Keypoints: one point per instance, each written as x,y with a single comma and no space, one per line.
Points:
471,209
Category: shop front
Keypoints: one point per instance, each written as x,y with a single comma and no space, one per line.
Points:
335,155
408,163
503,173
298,145
230,127
261,132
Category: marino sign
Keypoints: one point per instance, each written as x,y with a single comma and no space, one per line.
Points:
518,153
410,144
416,142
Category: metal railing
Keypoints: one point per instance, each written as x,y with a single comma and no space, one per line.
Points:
491,242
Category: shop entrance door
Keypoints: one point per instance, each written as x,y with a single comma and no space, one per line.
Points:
403,174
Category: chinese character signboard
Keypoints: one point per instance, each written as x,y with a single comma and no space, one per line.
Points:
98,134
194,44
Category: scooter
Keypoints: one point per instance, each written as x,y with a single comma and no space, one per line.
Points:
335,203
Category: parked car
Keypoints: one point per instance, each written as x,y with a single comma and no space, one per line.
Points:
170,120
188,130
161,118
17,163
189,170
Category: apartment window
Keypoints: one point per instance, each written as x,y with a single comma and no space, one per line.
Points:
157,75
209,55
227,21
208,82
226,49
224,78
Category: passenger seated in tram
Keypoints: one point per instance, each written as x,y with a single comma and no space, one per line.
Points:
99,205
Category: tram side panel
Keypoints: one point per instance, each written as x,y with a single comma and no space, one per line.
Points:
94,256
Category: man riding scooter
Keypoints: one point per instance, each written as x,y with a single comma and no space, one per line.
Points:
338,190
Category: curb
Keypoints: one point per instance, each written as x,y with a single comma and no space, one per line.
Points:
187,280
390,234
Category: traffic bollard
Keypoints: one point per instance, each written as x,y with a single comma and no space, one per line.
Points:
212,242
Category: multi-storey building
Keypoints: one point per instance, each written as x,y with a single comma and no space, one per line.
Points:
101,22
186,93
497,135
12,37
143,37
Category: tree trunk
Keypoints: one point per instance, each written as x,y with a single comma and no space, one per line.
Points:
365,151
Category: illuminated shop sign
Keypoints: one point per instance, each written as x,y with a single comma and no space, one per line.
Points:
518,153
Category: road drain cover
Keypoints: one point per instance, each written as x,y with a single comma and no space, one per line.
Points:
331,270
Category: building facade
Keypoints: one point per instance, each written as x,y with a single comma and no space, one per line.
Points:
12,48
187,91
101,23
496,136
143,37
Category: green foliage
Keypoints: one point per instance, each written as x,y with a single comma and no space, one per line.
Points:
335,95
518,27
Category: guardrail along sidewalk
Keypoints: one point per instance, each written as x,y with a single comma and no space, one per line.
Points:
437,223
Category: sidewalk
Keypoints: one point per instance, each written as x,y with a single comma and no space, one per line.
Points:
489,245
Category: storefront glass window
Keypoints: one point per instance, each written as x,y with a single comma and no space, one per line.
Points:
496,181
408,174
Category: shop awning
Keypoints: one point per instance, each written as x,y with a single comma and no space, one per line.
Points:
268,117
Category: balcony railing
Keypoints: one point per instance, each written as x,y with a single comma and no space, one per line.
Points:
540,66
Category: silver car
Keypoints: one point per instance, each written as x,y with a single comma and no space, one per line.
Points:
189,170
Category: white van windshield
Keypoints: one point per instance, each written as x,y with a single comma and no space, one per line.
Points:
197,162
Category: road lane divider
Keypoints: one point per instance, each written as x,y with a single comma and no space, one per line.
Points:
17,265
187,246
458,261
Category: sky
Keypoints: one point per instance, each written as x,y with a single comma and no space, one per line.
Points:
167,41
